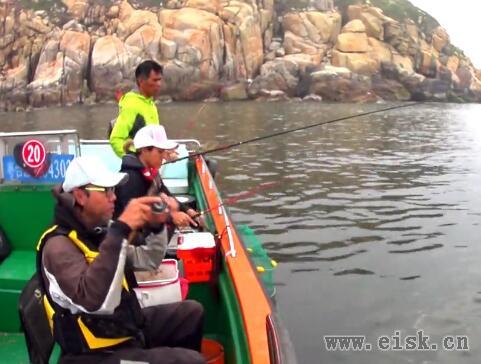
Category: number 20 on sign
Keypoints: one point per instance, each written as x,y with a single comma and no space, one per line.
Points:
33,153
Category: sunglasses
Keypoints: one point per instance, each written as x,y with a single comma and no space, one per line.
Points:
109,191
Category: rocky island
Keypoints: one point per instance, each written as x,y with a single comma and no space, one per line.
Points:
55,52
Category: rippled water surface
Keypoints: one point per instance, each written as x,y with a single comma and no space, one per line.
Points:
375,221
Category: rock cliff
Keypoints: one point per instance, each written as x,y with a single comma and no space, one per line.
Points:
56,52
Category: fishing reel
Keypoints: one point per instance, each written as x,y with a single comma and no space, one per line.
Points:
159,207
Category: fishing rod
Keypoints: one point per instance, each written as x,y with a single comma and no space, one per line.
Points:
263,137
243,195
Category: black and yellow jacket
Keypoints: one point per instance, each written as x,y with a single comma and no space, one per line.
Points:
89,296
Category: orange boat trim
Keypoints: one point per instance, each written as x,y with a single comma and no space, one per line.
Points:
254,304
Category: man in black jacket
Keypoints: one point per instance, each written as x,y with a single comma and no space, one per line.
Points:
87,274
153,148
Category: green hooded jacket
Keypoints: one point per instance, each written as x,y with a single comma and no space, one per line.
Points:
135,112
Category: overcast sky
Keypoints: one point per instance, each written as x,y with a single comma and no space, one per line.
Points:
461,18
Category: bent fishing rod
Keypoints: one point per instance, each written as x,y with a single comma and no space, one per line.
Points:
263,137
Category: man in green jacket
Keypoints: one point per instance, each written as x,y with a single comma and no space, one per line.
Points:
137,107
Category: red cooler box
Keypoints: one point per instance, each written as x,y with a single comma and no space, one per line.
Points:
197,251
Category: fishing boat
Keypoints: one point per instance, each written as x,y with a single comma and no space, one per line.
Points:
240,314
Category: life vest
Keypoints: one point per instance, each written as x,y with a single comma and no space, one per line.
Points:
83,332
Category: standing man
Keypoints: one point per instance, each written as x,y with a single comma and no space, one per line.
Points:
137,107
86,266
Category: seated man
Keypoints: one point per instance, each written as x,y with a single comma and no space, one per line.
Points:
152,149
86,265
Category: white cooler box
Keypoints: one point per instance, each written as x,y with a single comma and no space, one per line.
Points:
159,287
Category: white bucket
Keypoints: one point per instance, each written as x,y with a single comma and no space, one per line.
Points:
159,287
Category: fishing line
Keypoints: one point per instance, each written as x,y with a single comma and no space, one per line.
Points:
284,132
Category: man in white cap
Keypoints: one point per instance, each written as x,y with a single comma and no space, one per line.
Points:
152,149
86,265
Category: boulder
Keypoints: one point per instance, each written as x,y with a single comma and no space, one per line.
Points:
133,20
410,80
331,72
354,12
428,66
168,48
389,90
475,89
294,45
312,97
465,76
212,6
433,89
281,52
236,91
274,46
453,64
361,63
373,19
322,5
352,42
76,46
73,25
303,61
13,92
374,25
77,9
60,71
354,26
189,29
37,25
333,87
411,30
292,22
8,25
279,74
113,12
328,25
178,77
312,25
440,38
379,51
47,82
392,32
125,10
272,95
247,47
403,62
145,42
112,67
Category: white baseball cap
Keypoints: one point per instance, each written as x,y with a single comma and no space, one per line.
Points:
89,170
153,136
